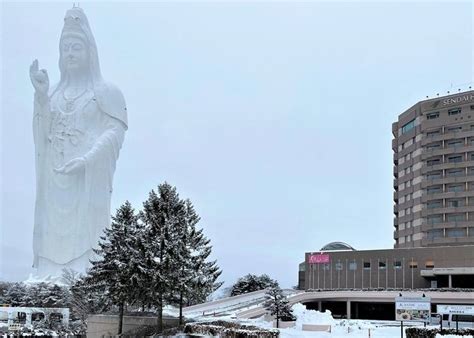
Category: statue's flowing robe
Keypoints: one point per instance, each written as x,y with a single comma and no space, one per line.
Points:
71,211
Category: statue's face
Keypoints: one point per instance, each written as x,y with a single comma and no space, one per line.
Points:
74,54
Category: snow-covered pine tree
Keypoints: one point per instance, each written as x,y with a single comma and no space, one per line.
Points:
250,283
195,276
16,295
277,304
162,215
115,271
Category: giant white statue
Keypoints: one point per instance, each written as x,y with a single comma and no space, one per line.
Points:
79,126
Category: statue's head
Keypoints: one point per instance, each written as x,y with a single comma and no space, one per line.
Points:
77,48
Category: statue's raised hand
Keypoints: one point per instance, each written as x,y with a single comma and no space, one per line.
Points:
39,78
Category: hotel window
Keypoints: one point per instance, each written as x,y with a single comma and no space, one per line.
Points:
434,175
397,264
432,116
433,146
472,107
436,233
455,203
454,129
455,159
429,264
434,190
456,217
366,265
455,172
435,132
435,219
454,111
455,187
471,232
435,204
434,161
455,143
408,126
413,265
382,265
456,232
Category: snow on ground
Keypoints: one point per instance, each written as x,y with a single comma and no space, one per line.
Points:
339,328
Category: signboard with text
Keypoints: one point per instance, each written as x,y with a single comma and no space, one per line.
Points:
413,309
318,258
455,309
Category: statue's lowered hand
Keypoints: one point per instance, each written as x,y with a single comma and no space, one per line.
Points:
39,78
73,167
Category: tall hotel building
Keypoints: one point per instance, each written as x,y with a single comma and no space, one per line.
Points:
433,169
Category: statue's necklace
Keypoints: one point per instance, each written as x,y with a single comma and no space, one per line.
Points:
71,101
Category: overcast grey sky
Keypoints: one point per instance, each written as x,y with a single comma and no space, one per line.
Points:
274,118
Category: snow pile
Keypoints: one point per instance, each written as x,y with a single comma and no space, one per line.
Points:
304,316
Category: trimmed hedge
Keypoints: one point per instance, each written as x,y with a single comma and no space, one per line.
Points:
415,332
229,330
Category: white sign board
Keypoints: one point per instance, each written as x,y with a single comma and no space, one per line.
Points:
413,308
455,309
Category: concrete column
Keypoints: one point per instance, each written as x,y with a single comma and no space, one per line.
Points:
450,281
348,309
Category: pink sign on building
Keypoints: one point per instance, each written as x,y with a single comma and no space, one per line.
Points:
318,258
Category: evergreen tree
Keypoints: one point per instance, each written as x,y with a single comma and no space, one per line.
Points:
162,215
116,272
250,283
277,305
195,276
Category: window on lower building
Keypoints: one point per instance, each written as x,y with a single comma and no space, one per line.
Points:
429,264
397,264
352,266
382,265
366,265
454,111
338,266
471,232
413,265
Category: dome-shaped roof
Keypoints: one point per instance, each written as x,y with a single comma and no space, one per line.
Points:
333,246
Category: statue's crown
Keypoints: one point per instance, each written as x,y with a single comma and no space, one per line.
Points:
73,23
